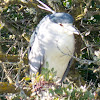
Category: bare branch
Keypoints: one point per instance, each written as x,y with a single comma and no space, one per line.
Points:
45,7
6,72
12,58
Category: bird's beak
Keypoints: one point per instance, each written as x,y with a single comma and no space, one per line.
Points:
72,29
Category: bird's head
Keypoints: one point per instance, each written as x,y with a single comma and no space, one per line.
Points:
64,20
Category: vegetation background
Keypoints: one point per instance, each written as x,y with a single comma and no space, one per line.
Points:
18,19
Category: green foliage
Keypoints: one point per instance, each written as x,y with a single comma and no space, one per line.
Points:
67,3
18,17
68,92
48,74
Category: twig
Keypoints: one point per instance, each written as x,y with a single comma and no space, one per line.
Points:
45,7
25,52
85,11
11,47
6,72
81,61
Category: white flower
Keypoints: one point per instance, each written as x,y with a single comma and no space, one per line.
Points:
12,36
1,25
83,88
1,9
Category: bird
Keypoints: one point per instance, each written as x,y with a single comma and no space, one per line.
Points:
53,42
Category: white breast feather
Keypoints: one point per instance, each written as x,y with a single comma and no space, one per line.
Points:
58,48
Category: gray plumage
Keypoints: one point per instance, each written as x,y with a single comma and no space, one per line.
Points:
53,42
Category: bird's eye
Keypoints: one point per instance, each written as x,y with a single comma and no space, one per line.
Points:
60,24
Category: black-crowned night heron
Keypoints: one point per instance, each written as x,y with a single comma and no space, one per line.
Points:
52,42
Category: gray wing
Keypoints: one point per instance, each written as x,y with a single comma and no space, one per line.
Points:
35,54
36,50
